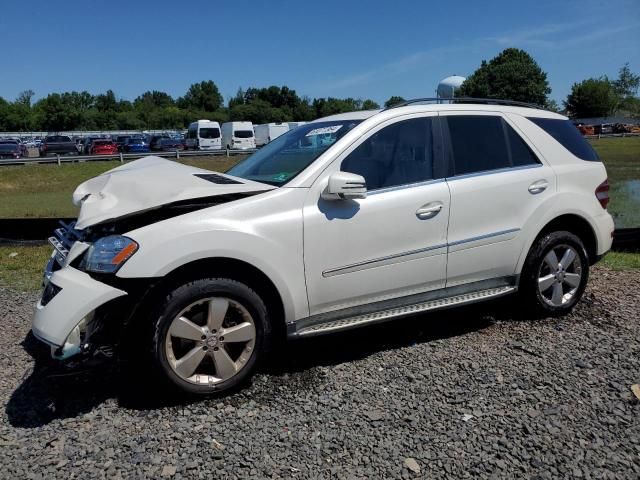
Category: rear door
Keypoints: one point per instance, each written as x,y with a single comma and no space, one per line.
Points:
497,181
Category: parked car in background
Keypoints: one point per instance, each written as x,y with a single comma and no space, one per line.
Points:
136,145
155,139
604,129
58,145
168,144
238,136
12,149
103,146
85,144
586,129
120,140
267,132
203,135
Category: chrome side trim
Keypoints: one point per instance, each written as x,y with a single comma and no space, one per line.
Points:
405,186
433,250
492,172
482,237
378,262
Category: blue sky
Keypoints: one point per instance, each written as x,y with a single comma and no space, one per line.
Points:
363,49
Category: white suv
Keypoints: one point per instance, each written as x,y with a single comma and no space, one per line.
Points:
347,221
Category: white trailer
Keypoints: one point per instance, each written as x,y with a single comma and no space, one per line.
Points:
238,135
268,132
293,125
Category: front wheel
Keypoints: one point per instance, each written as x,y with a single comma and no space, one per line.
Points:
209,335
555,273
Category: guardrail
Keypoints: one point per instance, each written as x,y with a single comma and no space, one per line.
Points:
610,135
60,159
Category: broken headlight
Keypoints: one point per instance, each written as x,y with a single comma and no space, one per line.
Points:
107,254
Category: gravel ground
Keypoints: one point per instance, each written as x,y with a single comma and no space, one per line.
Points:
461,394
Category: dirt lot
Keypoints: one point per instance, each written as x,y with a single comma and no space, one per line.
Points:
461,394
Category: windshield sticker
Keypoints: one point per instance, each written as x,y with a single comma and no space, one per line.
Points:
281,177
324,130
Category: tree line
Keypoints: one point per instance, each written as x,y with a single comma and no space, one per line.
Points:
512,75
159,110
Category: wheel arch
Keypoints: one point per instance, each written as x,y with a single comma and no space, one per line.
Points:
570,222
580,227
234,269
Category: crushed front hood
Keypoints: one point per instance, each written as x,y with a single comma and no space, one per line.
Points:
149,183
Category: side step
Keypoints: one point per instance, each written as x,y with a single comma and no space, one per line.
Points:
383,315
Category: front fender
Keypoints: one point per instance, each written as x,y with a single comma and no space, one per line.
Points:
279,260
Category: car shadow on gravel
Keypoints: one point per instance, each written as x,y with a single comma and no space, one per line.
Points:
48,392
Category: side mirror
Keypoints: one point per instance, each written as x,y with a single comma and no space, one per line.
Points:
345,185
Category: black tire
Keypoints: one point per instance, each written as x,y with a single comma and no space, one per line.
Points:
183,296
535,268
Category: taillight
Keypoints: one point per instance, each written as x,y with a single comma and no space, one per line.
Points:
602,193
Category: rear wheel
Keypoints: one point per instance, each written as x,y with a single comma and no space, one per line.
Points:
555,273
209,335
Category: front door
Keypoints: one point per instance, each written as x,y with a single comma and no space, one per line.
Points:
392,243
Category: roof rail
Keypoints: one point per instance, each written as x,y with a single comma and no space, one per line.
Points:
486,101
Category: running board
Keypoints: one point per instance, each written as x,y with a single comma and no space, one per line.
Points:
383,315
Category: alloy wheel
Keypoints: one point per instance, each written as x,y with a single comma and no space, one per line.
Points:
210,341
560,275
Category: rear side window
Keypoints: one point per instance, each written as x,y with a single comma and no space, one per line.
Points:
568,136
480,143
521,154
399,154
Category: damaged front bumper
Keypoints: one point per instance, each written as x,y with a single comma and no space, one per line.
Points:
66,310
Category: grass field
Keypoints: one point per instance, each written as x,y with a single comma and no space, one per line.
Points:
45,190
21,267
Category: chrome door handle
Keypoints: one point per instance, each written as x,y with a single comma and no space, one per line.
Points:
538,187
429,210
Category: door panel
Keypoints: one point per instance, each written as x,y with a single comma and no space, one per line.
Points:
392,243
489,208
376,248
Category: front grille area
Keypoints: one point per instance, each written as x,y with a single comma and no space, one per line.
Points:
63,239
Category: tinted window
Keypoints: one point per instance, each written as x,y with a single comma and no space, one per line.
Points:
243,133
568,136
481,143
520,152
477,143
209,133
399,154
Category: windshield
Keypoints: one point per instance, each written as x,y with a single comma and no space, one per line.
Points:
243,133
209,133
8,147
289,154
